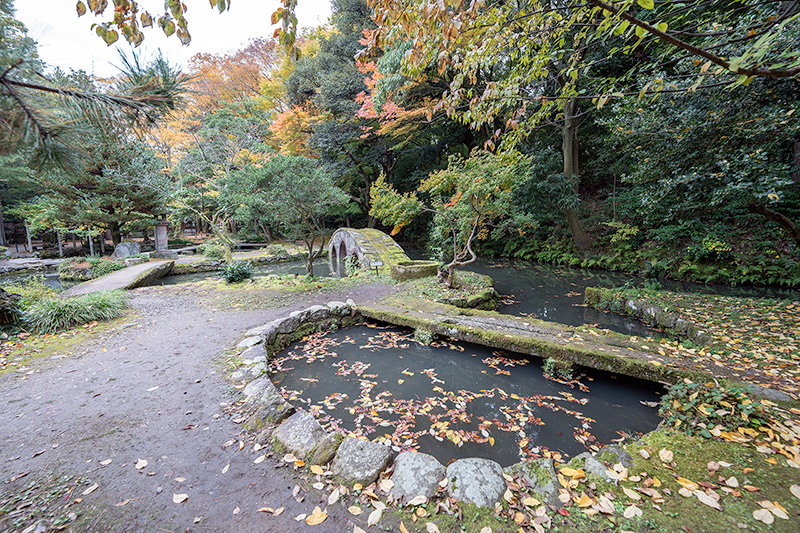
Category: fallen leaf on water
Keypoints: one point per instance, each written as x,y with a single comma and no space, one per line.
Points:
90,489
418,500
763,515
317,517
355,510
374,517
430,527
179,498
141,463
106,462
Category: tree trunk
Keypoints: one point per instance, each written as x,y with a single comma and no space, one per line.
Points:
779,218
116,235
570,153
3,241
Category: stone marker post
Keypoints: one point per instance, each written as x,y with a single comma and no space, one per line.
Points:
161,235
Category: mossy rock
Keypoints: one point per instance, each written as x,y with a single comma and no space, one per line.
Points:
327,449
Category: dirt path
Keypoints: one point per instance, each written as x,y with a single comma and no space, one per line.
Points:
150,390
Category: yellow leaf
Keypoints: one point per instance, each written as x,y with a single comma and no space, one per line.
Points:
317,517
316,469
691,485
567,471
584,501
355,510
403,528
530,501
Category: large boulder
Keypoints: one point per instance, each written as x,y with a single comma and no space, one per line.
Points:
300,434
478,481
126,249
268,405
360,461
416,474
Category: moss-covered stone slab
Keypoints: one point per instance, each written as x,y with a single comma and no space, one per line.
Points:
127,278
406,270
586,346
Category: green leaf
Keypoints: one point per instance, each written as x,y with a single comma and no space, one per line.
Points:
662,26
111,37
646,4
169,28
80,7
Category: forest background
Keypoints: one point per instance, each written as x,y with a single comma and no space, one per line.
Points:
631,156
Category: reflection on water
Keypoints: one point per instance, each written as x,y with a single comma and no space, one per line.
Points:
455,399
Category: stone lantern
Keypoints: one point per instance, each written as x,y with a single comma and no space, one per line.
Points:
161,234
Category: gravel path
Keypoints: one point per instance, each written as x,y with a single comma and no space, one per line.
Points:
150,390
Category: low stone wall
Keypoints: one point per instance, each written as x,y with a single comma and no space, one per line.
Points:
654,315
415,476
204,264
406,270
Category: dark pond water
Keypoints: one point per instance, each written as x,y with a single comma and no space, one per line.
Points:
456,400
280,269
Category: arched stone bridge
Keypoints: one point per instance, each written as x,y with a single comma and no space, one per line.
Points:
368,245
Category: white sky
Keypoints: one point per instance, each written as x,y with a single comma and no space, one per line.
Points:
66,41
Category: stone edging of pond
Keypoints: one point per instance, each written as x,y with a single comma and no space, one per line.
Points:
352,460
203,264
654,315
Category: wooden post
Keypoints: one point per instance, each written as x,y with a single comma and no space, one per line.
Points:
60,247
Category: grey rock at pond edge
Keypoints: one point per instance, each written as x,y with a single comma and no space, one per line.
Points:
311,313
474,480
249,342
416,474
300,433
287,324
269,331
270,407
326,450
249,372
540,475
253,355
338,308
360,461
769,394
126,249
592,465
619,453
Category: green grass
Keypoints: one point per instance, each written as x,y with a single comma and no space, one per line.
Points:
56,314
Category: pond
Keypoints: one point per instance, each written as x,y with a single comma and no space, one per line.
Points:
454,399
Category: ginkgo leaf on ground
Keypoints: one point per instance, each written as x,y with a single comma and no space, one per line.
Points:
316,517
374,517
179,498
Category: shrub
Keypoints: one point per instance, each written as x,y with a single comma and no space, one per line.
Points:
711,249
32,291
237,271
103,266
277,249
212,251
423,336
56,314
698,407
